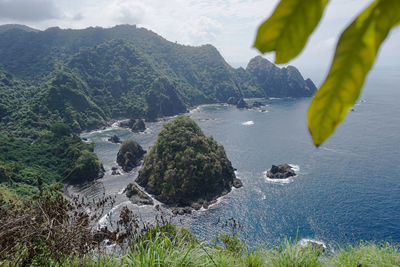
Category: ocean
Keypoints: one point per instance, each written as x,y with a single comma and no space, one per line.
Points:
347,190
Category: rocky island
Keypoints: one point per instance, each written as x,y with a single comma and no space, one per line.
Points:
129,155
114,139
185,169
281,171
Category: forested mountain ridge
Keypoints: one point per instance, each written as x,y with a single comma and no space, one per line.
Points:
119,65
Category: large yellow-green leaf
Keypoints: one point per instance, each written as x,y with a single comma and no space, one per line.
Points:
355,54
287,30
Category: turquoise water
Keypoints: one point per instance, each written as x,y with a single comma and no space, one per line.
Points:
347,190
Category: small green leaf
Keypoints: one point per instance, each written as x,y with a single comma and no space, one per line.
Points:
354,57
287,30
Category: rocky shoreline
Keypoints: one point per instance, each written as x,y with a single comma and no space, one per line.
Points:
140,197
116,122
202,203
137,196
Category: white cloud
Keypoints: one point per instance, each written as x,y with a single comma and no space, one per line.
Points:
28,10
230,25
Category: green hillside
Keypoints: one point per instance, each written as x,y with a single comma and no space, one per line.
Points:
84,78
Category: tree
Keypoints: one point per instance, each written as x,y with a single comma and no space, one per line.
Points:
286,32
60,129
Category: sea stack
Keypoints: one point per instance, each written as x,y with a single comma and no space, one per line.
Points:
129,155
281,171
186,169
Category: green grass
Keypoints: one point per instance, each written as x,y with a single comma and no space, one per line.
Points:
169,246
367,254
161,251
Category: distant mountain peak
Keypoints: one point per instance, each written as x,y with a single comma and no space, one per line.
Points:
277,82
7,27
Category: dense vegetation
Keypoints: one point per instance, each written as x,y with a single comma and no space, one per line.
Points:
35,147
184,165
116,72
28,164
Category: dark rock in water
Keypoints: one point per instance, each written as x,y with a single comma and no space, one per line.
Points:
129,155
137,196
115,172
257,104
237,183
239,102
102,171
181,210
138,126
127,123
281,171
84,139
115,139
242,104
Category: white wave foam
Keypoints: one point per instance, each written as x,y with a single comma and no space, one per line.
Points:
120,192
247,123
295,167
193,110
219,199
279,181
116,124
103,220
306,241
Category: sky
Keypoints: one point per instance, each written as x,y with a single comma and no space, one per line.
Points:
229,25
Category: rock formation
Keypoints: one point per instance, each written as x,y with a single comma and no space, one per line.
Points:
129,155
280,172
137,196
278,82
114,139
185,169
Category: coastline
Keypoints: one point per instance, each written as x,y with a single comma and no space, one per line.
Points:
112,123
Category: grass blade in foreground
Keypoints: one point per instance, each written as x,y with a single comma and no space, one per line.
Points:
288,28
355,54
